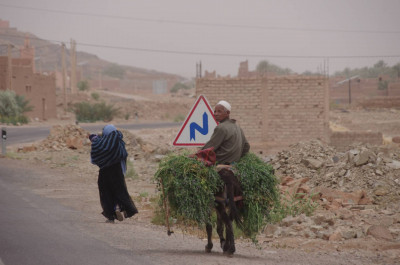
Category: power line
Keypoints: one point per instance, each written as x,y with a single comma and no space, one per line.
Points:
179,22
216,54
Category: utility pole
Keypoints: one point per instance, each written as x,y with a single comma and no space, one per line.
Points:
9,48
198,70
73,67
63,76
100,80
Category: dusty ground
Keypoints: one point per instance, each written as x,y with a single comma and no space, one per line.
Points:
343,231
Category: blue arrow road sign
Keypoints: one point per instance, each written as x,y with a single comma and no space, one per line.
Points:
203,130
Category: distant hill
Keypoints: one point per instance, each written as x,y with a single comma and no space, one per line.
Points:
48,59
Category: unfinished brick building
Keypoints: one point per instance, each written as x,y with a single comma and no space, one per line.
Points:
274,112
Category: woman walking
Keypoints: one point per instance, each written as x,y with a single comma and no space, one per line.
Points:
109,154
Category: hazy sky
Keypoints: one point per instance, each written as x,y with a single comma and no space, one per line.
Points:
172,35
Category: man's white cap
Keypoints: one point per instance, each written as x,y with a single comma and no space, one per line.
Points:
225,104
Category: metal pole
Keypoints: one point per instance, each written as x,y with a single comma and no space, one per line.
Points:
63,71
3,141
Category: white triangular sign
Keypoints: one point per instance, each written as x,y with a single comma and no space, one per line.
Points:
198,126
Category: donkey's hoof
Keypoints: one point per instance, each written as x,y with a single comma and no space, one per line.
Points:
223,244
208,248
229,254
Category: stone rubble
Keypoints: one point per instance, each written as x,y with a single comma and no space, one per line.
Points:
358,192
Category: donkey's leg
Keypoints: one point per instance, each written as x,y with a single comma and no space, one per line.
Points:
209,245
230,238
220,227
229,246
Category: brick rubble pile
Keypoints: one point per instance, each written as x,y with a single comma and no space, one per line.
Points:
358,192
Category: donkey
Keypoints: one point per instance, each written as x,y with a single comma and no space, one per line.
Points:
230,198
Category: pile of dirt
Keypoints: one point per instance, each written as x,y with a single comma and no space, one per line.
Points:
63,137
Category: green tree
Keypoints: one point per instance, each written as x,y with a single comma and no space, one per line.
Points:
378,69
266,67
262,67
8,104
380,64
396,69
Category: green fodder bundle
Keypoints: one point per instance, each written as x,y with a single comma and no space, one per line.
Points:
260,192
189,187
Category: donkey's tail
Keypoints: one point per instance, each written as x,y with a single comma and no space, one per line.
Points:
234,213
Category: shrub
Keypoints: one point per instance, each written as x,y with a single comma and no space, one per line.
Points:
178,86
179,118
95,96
86,112
12,107
83,85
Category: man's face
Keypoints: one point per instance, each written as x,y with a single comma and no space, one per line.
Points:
220,113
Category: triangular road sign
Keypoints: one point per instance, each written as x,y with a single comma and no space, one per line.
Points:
198,126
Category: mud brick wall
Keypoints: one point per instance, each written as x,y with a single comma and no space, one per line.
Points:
342,140
38,89
275,111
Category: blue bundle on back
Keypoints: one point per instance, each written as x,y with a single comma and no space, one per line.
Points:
108,149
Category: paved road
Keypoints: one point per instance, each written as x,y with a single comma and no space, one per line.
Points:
36,230
20,135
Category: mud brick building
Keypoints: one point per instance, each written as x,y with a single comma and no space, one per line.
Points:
21,78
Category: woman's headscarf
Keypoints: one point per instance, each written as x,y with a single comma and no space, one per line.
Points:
108,129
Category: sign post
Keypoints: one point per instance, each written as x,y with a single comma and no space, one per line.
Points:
3,140
198,126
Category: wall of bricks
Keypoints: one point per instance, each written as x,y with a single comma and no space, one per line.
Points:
295,109
342,140
245,96
273,111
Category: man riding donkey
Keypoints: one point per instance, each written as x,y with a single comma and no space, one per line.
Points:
229,144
